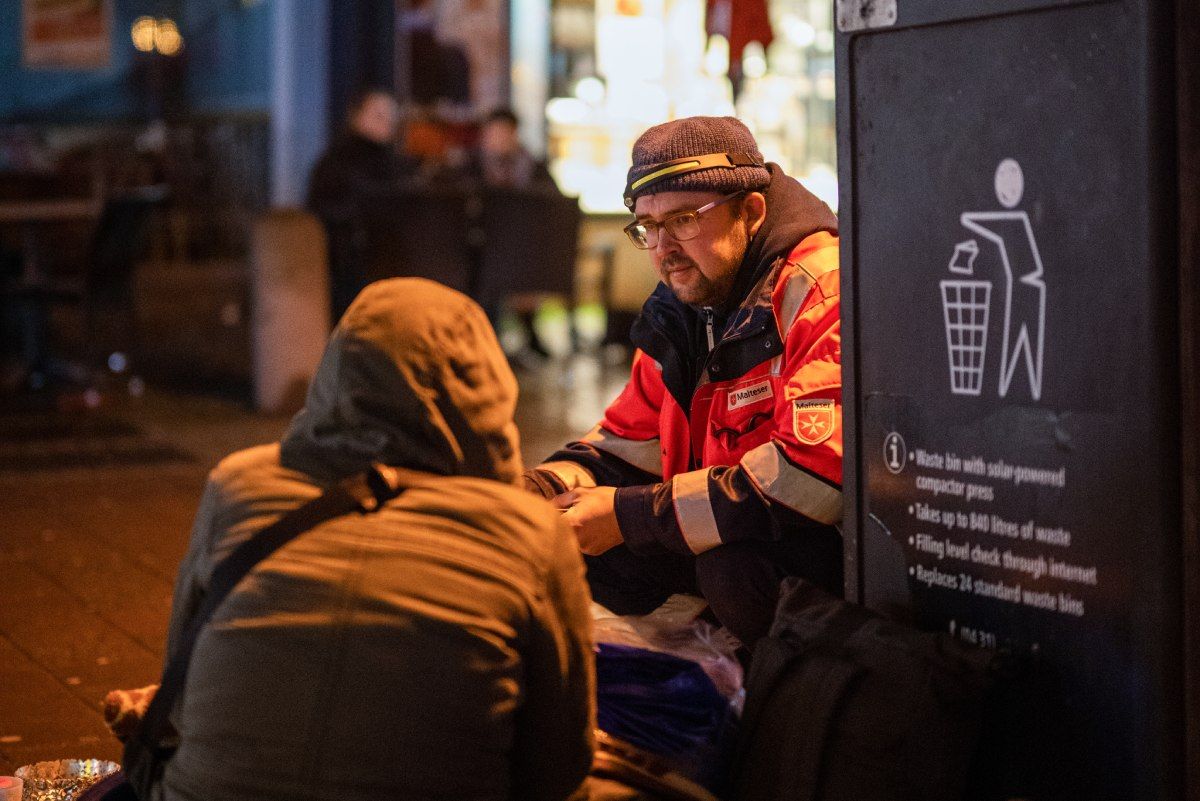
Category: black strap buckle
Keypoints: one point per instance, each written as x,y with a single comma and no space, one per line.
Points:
375,487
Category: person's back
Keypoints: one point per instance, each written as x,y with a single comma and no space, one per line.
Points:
436,648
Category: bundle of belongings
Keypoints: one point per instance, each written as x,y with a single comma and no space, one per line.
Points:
840,704
668,692
845,705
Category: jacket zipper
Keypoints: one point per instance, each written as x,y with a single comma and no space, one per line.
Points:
693,457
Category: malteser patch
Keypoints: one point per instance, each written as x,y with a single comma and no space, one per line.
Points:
751,394
812,420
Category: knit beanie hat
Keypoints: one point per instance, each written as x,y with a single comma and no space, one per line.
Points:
695,154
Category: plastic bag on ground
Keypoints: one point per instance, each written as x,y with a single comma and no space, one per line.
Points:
669,683
676,628
667,706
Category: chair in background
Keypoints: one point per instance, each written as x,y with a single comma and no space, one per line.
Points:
423,233
102,290
119,241
530,245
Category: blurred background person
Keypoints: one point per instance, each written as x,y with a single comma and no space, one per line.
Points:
500,161
361,159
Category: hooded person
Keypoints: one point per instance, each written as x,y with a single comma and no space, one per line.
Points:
436,648
718,469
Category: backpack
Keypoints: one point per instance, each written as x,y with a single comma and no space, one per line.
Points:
843,705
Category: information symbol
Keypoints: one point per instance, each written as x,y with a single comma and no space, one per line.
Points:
895,453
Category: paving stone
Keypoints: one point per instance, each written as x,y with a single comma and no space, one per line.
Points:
41,718
55,630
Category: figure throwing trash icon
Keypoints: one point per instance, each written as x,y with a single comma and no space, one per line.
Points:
966,302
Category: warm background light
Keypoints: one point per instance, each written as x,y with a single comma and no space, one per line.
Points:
167,38
142,33
150,34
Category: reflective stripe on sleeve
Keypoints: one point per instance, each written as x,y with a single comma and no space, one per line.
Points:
571,474
794,293
644,454
693,510
782,481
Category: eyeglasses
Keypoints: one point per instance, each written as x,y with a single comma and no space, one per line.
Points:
682,226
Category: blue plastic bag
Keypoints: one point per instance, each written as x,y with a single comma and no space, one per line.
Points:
668,706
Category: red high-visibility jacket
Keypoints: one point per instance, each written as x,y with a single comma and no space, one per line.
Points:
758,452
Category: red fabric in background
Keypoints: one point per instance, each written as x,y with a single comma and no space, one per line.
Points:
741,22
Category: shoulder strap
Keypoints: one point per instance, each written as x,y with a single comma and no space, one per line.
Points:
365,493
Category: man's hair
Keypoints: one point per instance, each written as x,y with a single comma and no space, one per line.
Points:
696,154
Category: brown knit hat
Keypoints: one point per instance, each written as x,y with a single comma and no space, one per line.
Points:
695,154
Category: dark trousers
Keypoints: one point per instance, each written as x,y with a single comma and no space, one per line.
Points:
740,581
348,273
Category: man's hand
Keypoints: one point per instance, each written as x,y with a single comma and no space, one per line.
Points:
590,513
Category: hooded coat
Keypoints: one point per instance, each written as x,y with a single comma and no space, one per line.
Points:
438,648
729,429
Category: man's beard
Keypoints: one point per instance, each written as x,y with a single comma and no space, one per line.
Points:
701,290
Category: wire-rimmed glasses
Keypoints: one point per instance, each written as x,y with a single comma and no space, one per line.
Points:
682,226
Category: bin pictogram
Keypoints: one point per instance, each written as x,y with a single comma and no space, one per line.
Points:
965,305
1008,237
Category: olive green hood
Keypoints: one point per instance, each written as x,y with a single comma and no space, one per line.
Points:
412,377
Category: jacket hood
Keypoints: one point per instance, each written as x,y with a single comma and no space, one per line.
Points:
793,213
412,377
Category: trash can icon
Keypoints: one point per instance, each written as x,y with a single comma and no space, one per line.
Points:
966,304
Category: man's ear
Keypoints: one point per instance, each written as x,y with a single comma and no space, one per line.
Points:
754,208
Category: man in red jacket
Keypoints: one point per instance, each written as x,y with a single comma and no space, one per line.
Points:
718,469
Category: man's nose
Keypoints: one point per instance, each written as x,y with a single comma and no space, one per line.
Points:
666,243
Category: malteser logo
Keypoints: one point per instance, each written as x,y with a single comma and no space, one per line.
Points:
813,420
751,394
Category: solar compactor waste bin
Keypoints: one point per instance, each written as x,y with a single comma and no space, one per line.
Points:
1018,200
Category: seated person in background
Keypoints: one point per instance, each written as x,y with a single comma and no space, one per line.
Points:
436,648
500,161
361,159
718,469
